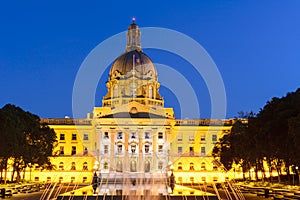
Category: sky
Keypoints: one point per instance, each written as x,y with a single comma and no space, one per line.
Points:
254,44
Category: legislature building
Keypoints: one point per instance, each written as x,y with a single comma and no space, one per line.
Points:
133,134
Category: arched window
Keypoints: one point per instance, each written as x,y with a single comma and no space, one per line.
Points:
133,166
73,166
115,92
150,92
179,166
203,166
133,90
119,166
85,166
147,166
105,165
160,165
61,166
191,166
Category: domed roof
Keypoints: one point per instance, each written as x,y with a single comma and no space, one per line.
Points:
142,64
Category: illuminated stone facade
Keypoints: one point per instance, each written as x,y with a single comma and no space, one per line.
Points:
133,133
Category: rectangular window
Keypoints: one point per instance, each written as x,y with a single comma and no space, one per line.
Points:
179,150
147,135
106,149
133,136
214,138
192,179
61,150
73,150
203,150
85,136
48,179
160,148
84,179
106,135
202,138
147,148
179,138
36,178
191,138
74,136
62,136
160,135
191,151
120,136
119,148
72,179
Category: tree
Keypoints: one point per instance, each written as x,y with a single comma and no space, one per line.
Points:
27,141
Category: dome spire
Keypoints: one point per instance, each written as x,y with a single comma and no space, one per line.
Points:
133,37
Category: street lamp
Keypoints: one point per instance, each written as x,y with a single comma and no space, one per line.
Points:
297,171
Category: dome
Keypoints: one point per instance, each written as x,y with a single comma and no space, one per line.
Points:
143,65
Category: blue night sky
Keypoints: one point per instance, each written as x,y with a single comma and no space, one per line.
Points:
255,45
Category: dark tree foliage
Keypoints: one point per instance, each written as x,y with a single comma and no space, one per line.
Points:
271,136
24,140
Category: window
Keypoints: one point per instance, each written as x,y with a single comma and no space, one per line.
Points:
180,179
160,135
61,166
106,135
48,179
215,179
203,166
133,90
115,94
192,179
60,179
147,166
202,138
120,148
192,166
160,148
133,136
160,165
150,92
202,150
147,148
214,138
74,136
85,151
133,148
179,138
191,138
73,150
119,166
85,166
36,178
106,149
147,135
72,179
179,150
84,179
62,136
85,136
105,165
179,166
120,136
192,192
215,168
203,179
133,166
73,166
191,151
61,150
